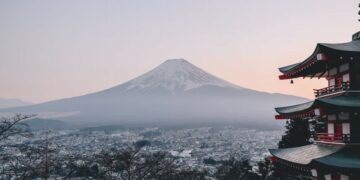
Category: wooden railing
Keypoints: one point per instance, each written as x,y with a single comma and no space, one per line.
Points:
330,137
331,89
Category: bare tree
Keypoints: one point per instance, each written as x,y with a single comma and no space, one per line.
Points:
131,163
10,126
33,160
25,165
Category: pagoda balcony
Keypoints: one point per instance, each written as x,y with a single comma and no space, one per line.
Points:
332,138
332,89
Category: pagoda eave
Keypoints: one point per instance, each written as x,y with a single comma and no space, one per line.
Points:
345,160
343,102
324,57
304,155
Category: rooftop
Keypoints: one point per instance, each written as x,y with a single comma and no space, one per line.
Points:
324,57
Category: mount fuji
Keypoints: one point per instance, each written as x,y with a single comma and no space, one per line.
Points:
174,93
177,75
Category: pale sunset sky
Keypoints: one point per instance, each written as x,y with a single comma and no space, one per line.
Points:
51,49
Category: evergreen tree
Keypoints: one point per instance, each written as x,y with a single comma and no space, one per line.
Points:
297,134
265,169
234,170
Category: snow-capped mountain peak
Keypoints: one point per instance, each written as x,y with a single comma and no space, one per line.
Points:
176,75
174,93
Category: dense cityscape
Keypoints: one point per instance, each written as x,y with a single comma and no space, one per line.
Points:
192,148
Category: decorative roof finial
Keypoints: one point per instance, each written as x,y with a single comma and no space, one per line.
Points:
359,12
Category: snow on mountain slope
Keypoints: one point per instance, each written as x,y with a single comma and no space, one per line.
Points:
176,75
195,97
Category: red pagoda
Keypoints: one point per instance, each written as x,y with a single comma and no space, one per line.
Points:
335,151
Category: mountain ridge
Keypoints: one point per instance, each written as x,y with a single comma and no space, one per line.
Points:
176,91
177,75
173,75
12,102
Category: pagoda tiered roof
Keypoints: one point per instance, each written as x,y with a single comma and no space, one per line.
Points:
324,57
347,158
327,156
336,147
305,154
346,101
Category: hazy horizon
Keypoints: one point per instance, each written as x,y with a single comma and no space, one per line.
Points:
57,49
